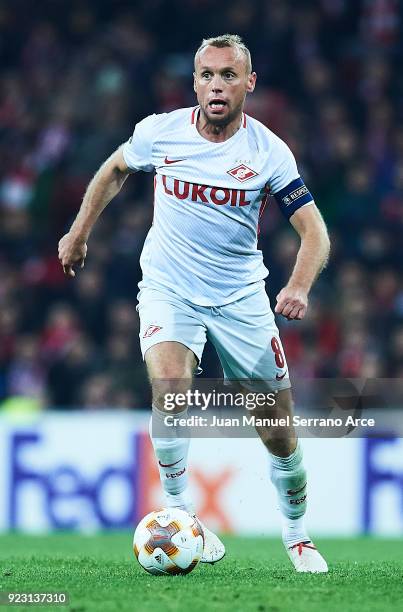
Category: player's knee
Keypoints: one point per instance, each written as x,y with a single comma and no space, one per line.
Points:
167,403
169,392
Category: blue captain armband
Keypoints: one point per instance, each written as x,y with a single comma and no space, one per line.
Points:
292,197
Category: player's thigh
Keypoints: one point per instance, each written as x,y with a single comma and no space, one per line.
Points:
170,360
248,342
170,367
172,338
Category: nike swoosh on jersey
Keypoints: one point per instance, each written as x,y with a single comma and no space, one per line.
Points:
280,377
164,465
172,161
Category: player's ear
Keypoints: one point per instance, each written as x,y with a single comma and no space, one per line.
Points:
194,82
251,82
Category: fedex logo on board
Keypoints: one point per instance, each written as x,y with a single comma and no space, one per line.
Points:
204,194
64,495
50,489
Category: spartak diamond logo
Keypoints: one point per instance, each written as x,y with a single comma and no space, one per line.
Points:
242,173
151,329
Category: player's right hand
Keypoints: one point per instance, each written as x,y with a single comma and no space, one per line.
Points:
72,252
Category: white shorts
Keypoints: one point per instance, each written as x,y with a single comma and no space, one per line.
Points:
244,332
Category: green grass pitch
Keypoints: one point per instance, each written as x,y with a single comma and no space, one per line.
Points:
100,574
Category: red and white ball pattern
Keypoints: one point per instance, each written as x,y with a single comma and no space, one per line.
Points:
169,541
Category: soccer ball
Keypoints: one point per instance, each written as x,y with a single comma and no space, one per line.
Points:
168,541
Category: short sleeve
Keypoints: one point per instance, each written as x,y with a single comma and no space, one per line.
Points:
288,188
138,149
286,169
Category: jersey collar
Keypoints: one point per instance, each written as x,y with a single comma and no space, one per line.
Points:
195,114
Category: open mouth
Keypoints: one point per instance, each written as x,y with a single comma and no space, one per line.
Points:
217,104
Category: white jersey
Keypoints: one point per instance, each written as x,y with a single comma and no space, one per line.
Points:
209,198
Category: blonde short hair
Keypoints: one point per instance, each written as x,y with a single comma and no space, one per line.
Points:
227,40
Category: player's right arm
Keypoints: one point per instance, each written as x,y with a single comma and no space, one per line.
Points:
105,185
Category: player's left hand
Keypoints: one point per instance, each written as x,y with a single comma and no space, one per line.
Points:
292,303
72,252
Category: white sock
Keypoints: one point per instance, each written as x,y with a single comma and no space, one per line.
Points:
172,459
289,477
294,531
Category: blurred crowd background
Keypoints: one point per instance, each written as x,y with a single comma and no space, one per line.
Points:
76,76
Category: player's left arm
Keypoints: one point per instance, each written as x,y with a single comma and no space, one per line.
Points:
313,253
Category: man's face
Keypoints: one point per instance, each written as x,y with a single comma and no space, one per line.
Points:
221,82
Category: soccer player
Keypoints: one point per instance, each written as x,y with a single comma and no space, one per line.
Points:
203,275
